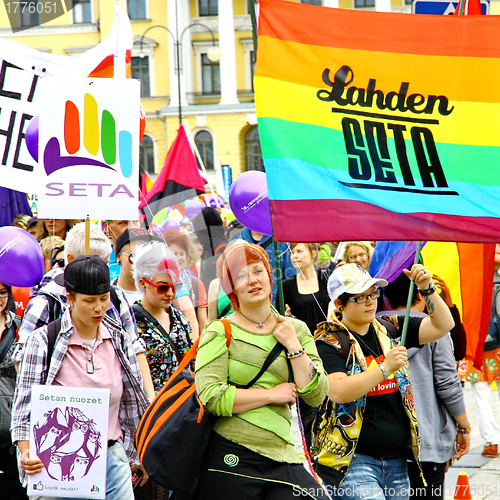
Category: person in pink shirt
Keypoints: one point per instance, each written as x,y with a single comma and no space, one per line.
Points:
91,350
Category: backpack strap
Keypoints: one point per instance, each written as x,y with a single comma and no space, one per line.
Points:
115,299
9,337
266,243
275,352
392,329
139,310
53,330
343,345
54,308
227,330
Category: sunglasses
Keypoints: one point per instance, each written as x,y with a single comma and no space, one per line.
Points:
130,256
163,289
53,260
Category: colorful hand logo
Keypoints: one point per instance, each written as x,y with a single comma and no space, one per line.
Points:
52,158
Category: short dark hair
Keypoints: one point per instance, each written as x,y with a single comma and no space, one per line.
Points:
397,292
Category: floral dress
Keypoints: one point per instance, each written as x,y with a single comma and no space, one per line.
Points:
489,373
160,355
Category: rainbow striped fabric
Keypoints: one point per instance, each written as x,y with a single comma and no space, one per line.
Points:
379,125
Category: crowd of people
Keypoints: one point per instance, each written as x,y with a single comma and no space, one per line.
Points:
342,352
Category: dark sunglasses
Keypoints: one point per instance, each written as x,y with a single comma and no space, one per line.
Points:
163,289
53,260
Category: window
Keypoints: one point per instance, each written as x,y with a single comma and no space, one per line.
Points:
210,72
312,2
364,3
208,8
140,71
136,9
82,12
205,145
253,151
30,18
147,155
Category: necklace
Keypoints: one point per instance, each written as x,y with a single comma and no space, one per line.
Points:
260,325
358,337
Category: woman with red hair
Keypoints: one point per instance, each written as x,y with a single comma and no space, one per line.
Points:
251,452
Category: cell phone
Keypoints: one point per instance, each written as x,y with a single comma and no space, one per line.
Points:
137,477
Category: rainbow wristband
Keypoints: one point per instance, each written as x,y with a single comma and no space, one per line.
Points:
464,430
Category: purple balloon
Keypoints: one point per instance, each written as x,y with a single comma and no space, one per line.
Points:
193,208
214,201
21,258
170,224
249,201
31,137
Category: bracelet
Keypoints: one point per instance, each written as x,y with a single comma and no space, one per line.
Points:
296,354
464,430
384,371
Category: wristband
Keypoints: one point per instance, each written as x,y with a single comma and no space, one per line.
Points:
296,354
429,291
384,371
464,430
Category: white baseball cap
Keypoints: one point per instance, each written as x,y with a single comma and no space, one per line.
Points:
351,278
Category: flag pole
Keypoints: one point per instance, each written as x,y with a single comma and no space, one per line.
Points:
200,161
410,296
87,235
251,9
281,301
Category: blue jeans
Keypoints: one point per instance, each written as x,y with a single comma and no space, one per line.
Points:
369,478
118,476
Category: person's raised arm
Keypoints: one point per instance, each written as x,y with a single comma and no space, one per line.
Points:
440,320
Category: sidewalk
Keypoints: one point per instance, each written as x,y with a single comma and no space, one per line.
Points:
483,473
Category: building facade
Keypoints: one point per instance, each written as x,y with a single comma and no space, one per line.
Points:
215,97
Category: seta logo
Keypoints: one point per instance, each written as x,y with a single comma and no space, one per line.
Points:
94,138
367,147
94,489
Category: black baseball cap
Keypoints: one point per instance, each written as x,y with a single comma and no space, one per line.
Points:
135,234
87,274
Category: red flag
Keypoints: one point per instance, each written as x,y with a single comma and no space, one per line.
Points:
471,8
178,177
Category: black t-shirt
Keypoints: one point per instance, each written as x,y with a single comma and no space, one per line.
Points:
386,428
304,306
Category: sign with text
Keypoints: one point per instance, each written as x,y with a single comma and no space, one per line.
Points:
442,8
385,135
89,148
69,434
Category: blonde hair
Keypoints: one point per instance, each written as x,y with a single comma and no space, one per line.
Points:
49,243
21,221
365,245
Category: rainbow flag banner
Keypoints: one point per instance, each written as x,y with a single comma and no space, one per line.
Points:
379,126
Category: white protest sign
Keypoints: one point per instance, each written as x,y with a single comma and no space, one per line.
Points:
17,107
69,434
88,148
21,70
